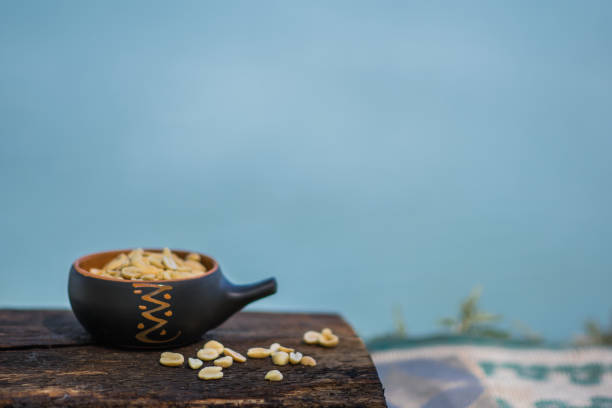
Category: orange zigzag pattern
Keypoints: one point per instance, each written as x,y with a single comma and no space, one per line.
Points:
142,336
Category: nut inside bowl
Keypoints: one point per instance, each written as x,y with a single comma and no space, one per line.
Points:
97,260
152,314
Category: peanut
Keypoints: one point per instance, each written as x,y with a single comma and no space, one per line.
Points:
285,349
280,358
308,361
331,341
207,354
130,272
119,262
224,362
156,262
211,373
274,347
312,337
145,265
214,344
195,265
234,354
274,375
193,257
326,333
258,352
169,262
195,363
171,359
295,358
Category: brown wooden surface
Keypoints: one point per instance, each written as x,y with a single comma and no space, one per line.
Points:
47,359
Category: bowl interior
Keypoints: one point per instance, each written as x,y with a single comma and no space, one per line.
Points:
99,259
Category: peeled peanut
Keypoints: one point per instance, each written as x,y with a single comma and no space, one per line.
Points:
234,354
171,359
331,341
295,358
207,354
210,373
258,352
326,333
280,358
195,363
211,369
214,344
274,347
285,349
224,362
169,262
312,337
274,375
308,361
192,256
195,266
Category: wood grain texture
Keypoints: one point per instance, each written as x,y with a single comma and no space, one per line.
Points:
53,362
27,328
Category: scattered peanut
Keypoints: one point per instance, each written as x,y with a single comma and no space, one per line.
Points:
308,361
258,352
274,375
171,359
207,354
280,358
326,333
224,362
214,344
213,349
195,363
210,373
212,369
312,337
331,341
234,354
295,358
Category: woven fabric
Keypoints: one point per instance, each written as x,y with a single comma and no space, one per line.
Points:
461,376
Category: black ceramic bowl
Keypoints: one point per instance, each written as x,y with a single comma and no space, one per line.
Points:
155,314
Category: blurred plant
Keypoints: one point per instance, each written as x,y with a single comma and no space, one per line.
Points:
595,334
399,321
526,333
472,321
397,336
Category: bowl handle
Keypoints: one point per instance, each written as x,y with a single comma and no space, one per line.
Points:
241,295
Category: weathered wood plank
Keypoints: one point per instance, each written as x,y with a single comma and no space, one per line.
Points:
23,328
93,375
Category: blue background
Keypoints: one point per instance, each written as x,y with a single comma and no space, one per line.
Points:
365,153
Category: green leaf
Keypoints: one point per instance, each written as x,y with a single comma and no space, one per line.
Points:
483,317
447,322
490,332
592,329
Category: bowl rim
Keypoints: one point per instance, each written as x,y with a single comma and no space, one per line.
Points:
76,265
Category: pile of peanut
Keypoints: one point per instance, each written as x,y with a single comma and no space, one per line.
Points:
145,265
280,356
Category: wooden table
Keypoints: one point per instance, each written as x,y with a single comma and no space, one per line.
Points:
46,358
